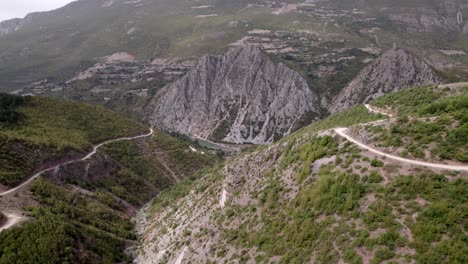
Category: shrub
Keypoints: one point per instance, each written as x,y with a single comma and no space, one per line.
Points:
382,254
375,177
376,163
8,105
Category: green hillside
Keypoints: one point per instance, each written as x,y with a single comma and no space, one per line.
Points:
315,197
35,130
432,123
82,212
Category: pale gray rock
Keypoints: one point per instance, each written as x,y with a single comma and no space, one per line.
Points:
10,26
394,70
241,97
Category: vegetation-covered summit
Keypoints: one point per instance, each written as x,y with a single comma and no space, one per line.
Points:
37,130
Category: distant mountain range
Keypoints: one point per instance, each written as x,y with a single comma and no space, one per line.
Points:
235,131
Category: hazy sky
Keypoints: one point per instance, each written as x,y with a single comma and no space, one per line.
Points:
19,8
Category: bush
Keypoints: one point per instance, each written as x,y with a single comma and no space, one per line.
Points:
376,163
375,177
8,108
382,254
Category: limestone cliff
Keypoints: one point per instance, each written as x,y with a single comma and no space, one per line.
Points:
394,70
240,97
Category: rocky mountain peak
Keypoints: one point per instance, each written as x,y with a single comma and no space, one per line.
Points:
239,97
394,70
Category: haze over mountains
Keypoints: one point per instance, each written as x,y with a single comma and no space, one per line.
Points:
293,131
121,53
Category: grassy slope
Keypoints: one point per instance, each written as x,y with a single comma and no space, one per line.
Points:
446,137
356,206
51,129
95,226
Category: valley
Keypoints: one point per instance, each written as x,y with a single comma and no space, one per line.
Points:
247,131
91,195
341,198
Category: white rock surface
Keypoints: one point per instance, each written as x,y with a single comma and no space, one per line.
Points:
241,97
396,69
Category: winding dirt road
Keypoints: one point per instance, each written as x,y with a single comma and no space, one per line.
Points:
92,153
373,109
13,219
342,132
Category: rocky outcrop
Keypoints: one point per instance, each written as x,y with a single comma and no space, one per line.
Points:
9,26
241,97
394,70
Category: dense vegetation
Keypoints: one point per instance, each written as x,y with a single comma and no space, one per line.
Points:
68,228
438,123
9,108
359,206
423,101
51,129
326,220
92,212
55,237
142,170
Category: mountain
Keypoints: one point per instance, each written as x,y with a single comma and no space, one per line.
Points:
36,132
328,42
80,208
394,70
240,97
10,26
317,197
416,16
314,177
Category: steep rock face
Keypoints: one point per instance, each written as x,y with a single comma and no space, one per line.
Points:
396,69
9,26
241,97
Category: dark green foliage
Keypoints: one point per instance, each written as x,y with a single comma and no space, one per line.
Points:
98,227
8,108
51,129
178,154
444,216
291,229
379,215
47,240
137,176
446,105
375,177
382,254
449,131
75,208
409,101
306,154
376,163
332,193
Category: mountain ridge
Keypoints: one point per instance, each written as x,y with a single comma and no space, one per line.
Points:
395,69
241,97
315,197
